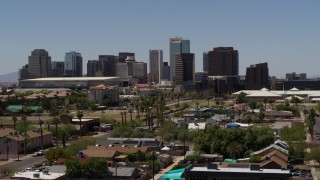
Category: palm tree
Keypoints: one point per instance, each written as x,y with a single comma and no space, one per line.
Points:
56,122
6,140
39,111
80,115
26,137
130,112
14,119
125,118
121,118
41,133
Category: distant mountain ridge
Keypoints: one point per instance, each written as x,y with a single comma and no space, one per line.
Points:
10,77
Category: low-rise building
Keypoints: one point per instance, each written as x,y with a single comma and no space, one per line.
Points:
51,172
251,172
18,138
101,92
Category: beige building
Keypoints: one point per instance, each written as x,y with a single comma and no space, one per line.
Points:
17,138
98,93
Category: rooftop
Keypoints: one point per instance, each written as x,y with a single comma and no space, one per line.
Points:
72,79
241,170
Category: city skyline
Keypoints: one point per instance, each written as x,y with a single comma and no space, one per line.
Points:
284,34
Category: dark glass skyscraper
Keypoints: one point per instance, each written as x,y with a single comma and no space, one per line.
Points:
73,64
223,61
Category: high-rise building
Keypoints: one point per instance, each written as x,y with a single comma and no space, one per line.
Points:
39,65
223,61
109,65
95,68
257,77
205,61
166,71
23,72
73,64
57,68
185,64
131,68
156,65
123,56
177,46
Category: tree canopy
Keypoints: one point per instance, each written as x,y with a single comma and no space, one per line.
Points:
232,142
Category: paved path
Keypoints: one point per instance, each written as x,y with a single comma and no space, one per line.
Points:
176,160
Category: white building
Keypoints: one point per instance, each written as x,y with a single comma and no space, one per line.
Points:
98,93
156,65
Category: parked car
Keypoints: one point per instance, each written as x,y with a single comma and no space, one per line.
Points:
40,153
296,161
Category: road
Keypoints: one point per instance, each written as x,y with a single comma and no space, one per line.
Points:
24,163
316,129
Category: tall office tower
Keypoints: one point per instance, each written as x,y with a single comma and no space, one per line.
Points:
94,68
205,61
109,65
166,71
23,72
257,77
156,65
131,68
177,46
123,56
73,64
184,68
39,64
223,61
57,68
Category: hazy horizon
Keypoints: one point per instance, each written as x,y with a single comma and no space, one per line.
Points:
283,33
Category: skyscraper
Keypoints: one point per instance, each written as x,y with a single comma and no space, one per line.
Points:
156,65
39,64
73,64
205,61
109,65
257,76
184,68
131,68
166,71
223,61
57,68
177,46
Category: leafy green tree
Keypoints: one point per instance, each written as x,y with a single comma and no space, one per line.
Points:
311,121
254,159
95,167
252,104
242,98
74,168
314,154
23,125
295,133
14,119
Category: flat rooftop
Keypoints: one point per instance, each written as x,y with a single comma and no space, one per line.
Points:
240,170
71,79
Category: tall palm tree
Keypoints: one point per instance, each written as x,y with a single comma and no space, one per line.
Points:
41,133
39,112
80,115
121,118
26,137
6,140
56,121
14,119
130,112
125,118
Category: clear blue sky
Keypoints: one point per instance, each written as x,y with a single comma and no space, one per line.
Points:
285,33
